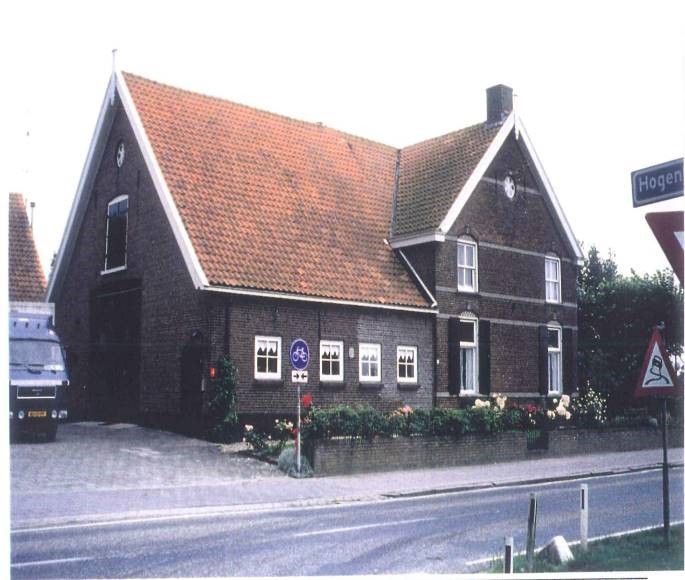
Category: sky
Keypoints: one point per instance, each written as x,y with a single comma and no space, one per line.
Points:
599,86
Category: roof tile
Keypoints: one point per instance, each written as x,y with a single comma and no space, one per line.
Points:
26,278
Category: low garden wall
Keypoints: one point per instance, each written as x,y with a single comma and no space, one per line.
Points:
579,441
355,455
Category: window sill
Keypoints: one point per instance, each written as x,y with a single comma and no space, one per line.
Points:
370,386
268,383
408,386
467,394
112,270
466,290
332,385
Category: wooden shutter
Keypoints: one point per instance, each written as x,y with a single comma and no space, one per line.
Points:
484,357
543,342
454,370
569,360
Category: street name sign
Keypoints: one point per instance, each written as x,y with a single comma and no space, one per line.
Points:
669,232
657,183
657,379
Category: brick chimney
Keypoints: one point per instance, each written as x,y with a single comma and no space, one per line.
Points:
500,104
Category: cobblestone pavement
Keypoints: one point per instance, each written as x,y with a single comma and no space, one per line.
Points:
120,456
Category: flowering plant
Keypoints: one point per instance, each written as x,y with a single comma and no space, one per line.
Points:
307,401
590,407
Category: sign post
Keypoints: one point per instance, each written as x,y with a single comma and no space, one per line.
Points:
658,379
299,359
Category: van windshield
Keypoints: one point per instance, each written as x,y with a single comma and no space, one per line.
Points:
36,353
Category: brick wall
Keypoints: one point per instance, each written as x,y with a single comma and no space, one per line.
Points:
581,441
170,306
314,322
348,456
517,278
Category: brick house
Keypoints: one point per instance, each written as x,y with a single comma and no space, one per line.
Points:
26,280
422,276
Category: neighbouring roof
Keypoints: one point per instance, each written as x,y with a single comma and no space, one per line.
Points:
271,203
433,173
26,278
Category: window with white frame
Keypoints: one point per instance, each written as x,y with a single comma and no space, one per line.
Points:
267,357
468,353
552,279
331,360
369,362
467,265
117,224
406,364
554,359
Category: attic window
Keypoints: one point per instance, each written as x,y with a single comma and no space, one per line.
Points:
117,225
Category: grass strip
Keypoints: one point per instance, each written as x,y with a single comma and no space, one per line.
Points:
641,551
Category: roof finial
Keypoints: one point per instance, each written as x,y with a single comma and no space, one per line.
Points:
113,81
513,110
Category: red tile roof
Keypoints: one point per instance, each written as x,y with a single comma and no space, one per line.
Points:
433,172
271,203
26,278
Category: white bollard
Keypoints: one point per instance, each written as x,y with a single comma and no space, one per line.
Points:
509,555
583,516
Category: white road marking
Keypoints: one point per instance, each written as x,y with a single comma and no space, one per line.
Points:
50,562
363,527
576,542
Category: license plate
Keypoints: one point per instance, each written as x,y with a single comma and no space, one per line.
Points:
38,413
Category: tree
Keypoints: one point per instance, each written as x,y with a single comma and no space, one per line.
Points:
616,315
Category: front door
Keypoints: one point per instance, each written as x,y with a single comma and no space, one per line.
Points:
114,369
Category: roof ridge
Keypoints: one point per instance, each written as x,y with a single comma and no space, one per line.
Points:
312,124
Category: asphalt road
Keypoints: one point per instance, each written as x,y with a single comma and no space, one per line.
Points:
437,534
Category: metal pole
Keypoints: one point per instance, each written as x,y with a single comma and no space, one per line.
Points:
664,439
583,516
532,525
299,453
509,555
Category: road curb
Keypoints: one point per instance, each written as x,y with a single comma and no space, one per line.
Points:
535,481
208,511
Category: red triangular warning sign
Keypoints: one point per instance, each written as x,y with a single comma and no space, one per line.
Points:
657,378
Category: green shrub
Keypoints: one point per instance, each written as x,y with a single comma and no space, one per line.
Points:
445,422
222,407
343,421
371,422
420,422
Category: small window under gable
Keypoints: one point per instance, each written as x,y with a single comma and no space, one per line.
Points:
467,265
117,225
552,279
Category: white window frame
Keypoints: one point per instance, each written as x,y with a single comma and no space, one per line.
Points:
473,346
267,375
467,241
107,270
370,346
331,378
415,351
559,353
555,281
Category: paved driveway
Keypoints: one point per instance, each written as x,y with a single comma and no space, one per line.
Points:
94,466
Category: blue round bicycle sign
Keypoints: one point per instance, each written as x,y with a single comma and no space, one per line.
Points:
299,354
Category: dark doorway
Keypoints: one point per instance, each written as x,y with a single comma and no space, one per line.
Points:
114,369
192,357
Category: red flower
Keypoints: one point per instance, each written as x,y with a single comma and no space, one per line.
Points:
307,401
